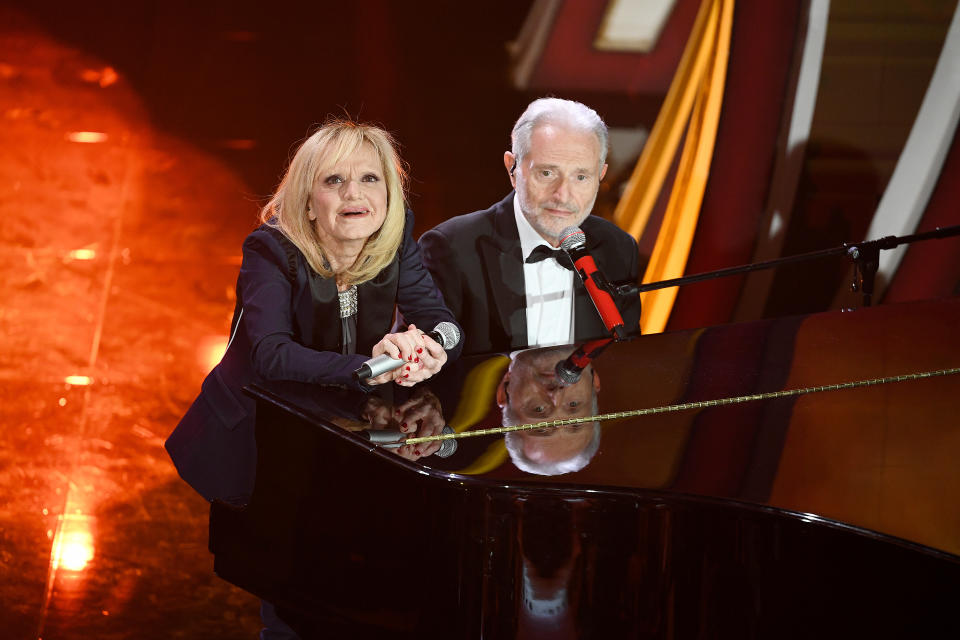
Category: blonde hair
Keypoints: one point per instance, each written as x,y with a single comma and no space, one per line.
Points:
287,209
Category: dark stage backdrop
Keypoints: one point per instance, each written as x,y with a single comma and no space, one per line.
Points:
247,79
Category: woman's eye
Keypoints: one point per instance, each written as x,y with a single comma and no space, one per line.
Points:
371,177
334,179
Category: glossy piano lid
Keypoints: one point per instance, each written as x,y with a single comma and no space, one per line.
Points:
880,457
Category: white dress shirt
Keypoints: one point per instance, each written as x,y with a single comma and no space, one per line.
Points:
549,290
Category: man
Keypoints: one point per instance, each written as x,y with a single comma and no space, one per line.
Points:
488,264
530,392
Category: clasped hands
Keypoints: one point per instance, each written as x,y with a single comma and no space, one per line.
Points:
420,416
421,355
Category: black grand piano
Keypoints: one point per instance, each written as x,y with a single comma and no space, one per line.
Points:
830,513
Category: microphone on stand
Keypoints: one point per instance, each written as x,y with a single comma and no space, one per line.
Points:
569,370
574,242
446,334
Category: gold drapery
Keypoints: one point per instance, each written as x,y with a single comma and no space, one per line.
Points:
692,105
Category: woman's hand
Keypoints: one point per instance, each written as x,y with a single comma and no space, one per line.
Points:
419,417
400,346
378,413
432,358
421,354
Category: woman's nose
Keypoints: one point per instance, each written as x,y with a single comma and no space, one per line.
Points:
351,189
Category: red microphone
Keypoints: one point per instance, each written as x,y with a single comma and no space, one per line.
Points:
569,370
574,243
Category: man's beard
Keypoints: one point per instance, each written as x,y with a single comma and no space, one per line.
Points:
538,221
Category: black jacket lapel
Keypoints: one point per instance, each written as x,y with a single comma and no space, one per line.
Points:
502,256
375,302
326,311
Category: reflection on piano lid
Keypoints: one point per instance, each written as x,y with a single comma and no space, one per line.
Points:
835,508
876,457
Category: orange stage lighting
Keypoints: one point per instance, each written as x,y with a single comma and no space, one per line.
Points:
103,77
211,351
86,136
82,254
73,547
107,77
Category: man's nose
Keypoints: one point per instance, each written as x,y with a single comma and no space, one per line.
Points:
553,391
561,191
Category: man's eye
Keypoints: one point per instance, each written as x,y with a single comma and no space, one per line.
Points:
582,177
539,409
574,404
546,173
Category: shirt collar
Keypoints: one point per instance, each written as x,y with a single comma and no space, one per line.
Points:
529,238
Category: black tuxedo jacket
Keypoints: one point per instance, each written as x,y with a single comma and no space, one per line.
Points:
476,261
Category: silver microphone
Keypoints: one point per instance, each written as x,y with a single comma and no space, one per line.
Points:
376,366
446,334
391,439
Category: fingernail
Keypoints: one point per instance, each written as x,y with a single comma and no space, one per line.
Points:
403,426
408,368
406,375
416,451
416,359
409,357
420,350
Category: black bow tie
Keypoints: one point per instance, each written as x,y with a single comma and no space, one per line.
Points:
543,252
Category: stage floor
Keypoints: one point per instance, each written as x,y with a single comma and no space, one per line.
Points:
139,141
118,256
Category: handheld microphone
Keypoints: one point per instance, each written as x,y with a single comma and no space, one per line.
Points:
569,370
391,439
446,334
574,243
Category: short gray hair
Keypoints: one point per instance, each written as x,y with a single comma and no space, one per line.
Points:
559,111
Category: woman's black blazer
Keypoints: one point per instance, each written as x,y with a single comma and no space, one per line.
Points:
287,327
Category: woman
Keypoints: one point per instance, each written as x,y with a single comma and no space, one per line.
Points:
315,299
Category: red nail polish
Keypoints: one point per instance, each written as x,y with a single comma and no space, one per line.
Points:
403,426
406,375
416,451
420,350
416,359
408,368
409,357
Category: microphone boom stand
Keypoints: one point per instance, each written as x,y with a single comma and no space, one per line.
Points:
865,256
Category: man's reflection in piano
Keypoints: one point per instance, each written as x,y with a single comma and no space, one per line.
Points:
530,392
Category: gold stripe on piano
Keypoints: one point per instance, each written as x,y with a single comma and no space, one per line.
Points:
702,404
